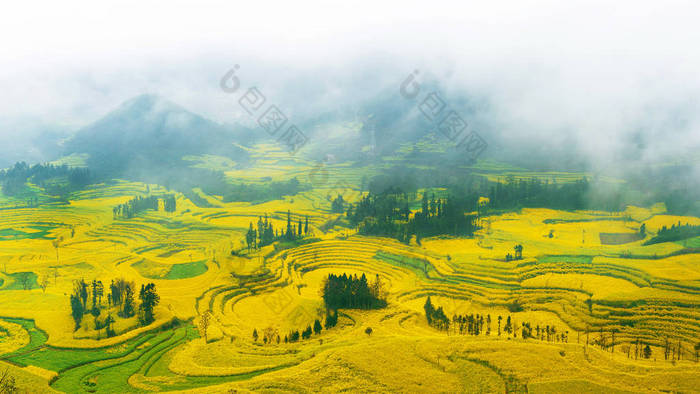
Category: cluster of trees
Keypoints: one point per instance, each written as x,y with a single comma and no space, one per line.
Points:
348,291
535,193
436,316
271,335
264,192
388,214
673,351
265,233
445,216
676,232
149,299
87,299
338,204
56,180
139,204
295,335
517,253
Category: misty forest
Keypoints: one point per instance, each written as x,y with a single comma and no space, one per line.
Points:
518,221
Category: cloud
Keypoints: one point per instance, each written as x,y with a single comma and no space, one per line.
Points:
599,76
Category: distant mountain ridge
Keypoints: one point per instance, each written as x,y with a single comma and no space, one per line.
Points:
149,134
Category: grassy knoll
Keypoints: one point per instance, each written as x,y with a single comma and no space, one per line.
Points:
153,270
32,232
21,281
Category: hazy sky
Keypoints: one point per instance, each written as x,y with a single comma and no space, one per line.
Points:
590,73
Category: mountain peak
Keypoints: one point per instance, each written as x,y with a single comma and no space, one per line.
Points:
149,131
149,103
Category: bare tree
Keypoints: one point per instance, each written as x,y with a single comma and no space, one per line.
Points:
269,334
204,322
44,282
24,280
56,244
7,383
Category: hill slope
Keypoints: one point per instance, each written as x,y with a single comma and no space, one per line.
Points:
147,137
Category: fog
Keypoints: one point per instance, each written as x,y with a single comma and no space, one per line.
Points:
615,83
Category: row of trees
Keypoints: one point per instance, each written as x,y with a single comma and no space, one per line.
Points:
139,204
348,291
476,324
87,299
271,334
265,233
479,324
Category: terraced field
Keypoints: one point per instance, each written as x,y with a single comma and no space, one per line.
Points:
198,260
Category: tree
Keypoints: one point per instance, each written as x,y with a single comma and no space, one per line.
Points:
306,334
429,309
368,331
290,232
128,303
44,282
250,237
204,321
76,310
647,351
108,325
99,291
24,279
331,319
338,204
94,294
56,243
149,299
317,327
80,288
306,225
509,327
7,383
269,335
255,335
378,289
518,252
